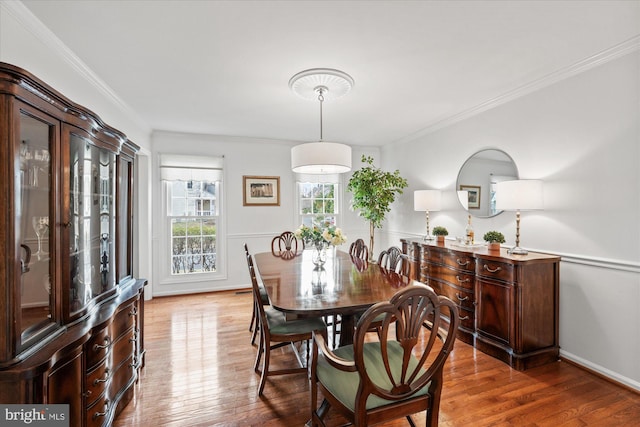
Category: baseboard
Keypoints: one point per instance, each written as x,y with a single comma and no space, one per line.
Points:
601,372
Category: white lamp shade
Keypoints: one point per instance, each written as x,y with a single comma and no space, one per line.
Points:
522,194
427,200
321,158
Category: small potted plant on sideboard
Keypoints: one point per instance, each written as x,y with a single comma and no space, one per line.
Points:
440,232
493,239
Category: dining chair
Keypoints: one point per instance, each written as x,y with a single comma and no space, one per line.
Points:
286,245
359,250
393,259
398,375
264,300
276,332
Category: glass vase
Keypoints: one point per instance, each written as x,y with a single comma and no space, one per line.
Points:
319,253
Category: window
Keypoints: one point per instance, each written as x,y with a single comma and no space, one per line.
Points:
192,242
193,218
318,202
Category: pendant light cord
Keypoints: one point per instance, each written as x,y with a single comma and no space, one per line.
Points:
321,99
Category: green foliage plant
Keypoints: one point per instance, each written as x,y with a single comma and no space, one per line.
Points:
374,190
493,237
440,231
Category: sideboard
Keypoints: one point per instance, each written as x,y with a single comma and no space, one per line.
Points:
508,304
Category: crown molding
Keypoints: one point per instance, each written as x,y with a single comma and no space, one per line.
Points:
36,27
581,66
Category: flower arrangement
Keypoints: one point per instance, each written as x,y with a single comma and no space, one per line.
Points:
315,235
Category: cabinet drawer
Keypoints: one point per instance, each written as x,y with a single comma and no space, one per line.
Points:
96,382
467,318
495,270
123,348
98,347
459,296
459,260
123,375
124,320
453,277
433,256
97,413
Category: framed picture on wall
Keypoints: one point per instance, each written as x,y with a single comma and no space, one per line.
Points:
261,190
473,191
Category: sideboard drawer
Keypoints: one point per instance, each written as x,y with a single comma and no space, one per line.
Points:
495,270
459,260
454,277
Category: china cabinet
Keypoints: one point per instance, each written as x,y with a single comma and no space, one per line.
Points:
71,310
508,304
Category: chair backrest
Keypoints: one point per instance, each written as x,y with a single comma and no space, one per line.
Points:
359,250
416,322
394,260
286,245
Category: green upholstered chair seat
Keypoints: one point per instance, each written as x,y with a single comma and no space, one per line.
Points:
278,325
263,296
344,385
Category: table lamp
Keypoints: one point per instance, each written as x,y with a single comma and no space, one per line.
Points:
425,201
519,195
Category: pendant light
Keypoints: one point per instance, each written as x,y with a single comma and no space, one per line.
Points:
321,157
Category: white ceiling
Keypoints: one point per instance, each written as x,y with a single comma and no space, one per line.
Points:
222,67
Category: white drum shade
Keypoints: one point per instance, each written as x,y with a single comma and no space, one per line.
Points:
321,158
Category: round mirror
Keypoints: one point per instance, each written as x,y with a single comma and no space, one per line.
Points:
477,180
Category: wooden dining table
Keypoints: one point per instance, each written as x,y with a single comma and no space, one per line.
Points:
344,286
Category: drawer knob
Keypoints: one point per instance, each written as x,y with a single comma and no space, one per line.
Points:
102,380
133,311
107,343
462,263
490,270
461,280
102,414
461,298
464,318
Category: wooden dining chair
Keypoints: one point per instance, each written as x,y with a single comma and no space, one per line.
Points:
286,245
276,332
264,300
359,250
396,376
394,260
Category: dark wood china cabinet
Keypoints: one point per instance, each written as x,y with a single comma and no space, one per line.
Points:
71,310
508,304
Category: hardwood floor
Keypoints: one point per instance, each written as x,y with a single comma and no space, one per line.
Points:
199,372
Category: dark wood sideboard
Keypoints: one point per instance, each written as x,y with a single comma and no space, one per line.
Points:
508,304
71,310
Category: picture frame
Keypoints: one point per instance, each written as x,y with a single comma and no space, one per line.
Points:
260,190
473,192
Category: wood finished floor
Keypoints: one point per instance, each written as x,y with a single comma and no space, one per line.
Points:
199,372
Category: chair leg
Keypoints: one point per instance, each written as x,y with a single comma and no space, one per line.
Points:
256,327
259,354
253,319
265,366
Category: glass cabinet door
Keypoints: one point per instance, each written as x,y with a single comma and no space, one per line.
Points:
33,219
91,224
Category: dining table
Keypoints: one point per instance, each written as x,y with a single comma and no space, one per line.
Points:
345,286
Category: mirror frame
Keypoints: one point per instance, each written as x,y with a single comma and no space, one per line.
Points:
473,158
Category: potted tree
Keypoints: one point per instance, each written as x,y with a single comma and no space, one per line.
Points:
440,232
493,239
373,192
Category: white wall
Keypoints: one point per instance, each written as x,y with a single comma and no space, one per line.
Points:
254,225
581,136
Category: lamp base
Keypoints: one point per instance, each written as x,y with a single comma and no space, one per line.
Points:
428,238
517,251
